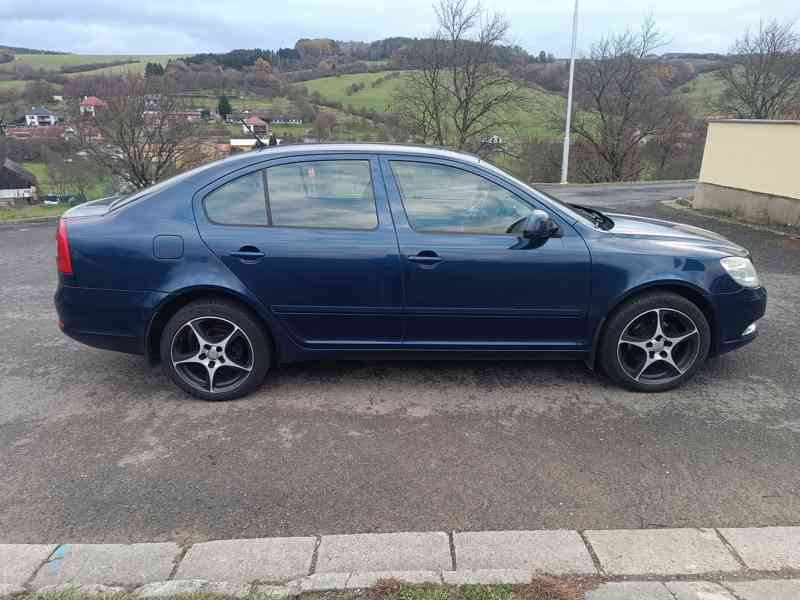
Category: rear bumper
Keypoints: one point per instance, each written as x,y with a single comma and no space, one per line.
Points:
108,319
735,312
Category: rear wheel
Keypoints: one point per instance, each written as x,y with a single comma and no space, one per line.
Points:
655,342
215,350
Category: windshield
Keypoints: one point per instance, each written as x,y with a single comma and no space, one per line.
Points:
564,208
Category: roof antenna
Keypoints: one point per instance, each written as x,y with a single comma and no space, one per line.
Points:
259,142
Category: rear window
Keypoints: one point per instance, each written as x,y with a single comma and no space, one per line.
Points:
239,202
331,194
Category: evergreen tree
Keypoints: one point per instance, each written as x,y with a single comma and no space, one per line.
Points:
153,69
224,107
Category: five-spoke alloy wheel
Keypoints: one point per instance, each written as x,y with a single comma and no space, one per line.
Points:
655,342
215,350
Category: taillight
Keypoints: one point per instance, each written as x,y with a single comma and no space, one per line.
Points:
63,258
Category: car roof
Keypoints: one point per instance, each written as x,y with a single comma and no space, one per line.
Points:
350,147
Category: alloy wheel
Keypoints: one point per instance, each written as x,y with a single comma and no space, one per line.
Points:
212,354
658,346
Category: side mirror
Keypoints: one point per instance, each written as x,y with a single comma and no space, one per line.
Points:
539,226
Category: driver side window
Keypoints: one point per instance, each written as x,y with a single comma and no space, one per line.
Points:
439,198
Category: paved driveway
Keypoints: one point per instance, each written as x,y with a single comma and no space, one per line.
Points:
95,446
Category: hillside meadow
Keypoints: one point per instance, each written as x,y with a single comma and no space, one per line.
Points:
700,94
54,62
535,118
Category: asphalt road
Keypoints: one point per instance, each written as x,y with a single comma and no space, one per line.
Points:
95,446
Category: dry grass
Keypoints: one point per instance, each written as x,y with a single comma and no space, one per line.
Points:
540,588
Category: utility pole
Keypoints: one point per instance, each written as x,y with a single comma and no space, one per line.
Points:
568,125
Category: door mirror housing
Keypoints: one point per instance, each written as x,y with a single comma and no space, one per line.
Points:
540,226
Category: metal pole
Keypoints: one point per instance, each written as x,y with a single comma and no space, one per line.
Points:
568,125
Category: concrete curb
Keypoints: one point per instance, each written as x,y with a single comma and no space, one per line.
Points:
675,205
291,566
31,221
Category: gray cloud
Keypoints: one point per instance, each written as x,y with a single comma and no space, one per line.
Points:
149,26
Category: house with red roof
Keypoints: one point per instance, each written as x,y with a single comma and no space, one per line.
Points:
91,104
257,125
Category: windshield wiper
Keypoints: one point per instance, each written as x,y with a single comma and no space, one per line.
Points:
600,219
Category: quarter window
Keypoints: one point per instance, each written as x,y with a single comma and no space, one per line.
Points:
239,202
328,194
447,199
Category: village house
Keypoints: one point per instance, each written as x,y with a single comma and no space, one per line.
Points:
17,185
258,126
91,104
39,116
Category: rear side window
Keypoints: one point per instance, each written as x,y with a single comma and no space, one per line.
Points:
334,194
239,202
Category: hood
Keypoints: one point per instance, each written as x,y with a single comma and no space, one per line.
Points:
635,227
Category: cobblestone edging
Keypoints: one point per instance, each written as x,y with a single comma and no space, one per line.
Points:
649,563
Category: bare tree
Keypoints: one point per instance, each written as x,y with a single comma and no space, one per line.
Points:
59,178
761,77
458,94
141,137
621,104
324,125
70,174
422,102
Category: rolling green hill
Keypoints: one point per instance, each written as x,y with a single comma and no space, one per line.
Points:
334,89
700,94
54,62
15,85
534,119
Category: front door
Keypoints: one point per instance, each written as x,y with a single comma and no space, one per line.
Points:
471,279
314,241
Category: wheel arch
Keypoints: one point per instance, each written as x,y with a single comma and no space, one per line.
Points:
685,289
174,302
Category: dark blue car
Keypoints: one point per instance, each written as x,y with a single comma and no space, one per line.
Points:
303,252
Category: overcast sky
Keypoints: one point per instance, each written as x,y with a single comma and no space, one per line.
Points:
176,26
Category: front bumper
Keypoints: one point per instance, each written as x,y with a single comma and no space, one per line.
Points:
108,319
735,312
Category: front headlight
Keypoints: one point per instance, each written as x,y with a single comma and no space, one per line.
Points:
741,270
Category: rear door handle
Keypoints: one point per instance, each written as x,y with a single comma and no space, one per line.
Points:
248,254
425,258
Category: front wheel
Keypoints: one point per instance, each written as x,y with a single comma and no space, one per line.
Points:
655,342
215,350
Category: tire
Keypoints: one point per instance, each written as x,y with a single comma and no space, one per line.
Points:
215,350
634,357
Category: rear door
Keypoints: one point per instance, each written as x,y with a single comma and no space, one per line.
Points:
313,239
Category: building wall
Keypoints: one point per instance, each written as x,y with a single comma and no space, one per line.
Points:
751,169
17,197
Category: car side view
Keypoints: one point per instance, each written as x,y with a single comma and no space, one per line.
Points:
297,253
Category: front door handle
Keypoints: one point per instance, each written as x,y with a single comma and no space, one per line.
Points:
426,258
248,254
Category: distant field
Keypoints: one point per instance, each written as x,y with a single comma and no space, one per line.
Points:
700,94
239,101
533,119
334,89
56,61
17,86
